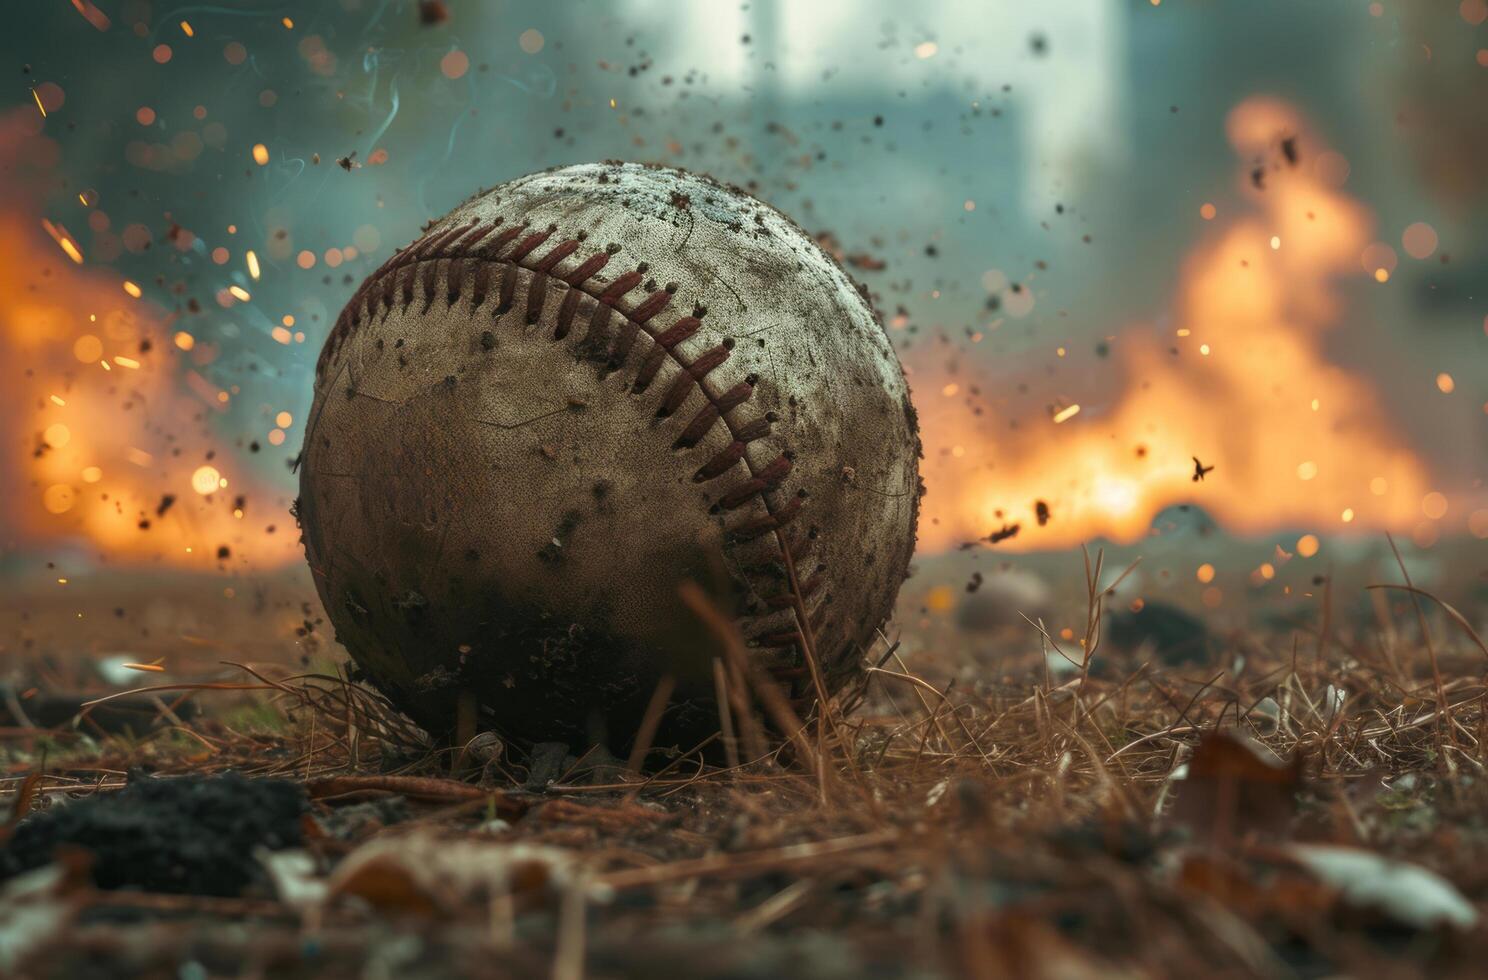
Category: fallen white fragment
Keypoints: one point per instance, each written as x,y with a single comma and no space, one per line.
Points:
1407,893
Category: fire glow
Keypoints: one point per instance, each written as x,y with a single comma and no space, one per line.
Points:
110,444
1239,382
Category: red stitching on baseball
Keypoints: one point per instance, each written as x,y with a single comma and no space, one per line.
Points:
537,291
590,266
566,313
679,331
438,241
649,367
760,526
528,244
784,600
600,320
455,280
779,639
428,279
708,360
629,330
473,240
508,289
480,283
651,306
676,395
405,278
559,252
621,286
772,474
493,247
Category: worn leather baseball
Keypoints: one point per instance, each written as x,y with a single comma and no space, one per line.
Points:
573,393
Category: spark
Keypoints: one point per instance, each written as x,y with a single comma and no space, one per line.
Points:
1065,414
37,97
252,264
186,29
239,292
127,362
64,241
94,16
260,154
132,289
154,668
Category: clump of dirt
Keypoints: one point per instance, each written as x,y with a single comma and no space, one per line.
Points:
189,835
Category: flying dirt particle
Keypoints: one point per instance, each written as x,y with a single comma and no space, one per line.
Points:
433,12
1003,533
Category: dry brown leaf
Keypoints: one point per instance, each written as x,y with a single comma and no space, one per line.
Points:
1233,792
426,875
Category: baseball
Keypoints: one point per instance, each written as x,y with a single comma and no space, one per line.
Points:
570,395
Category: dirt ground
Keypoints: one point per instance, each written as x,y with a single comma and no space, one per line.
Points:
1304,799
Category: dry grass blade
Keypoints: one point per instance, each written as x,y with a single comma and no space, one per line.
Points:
1447,607
769,694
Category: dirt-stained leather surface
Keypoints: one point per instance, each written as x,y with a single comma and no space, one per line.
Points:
573,392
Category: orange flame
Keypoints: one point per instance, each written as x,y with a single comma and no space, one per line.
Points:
1242,383
103,429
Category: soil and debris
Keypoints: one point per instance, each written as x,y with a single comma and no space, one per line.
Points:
1314,810
188,835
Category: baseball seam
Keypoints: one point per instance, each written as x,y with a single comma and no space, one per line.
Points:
466,255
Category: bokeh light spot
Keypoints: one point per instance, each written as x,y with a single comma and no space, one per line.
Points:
58,498
455,64
205,480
